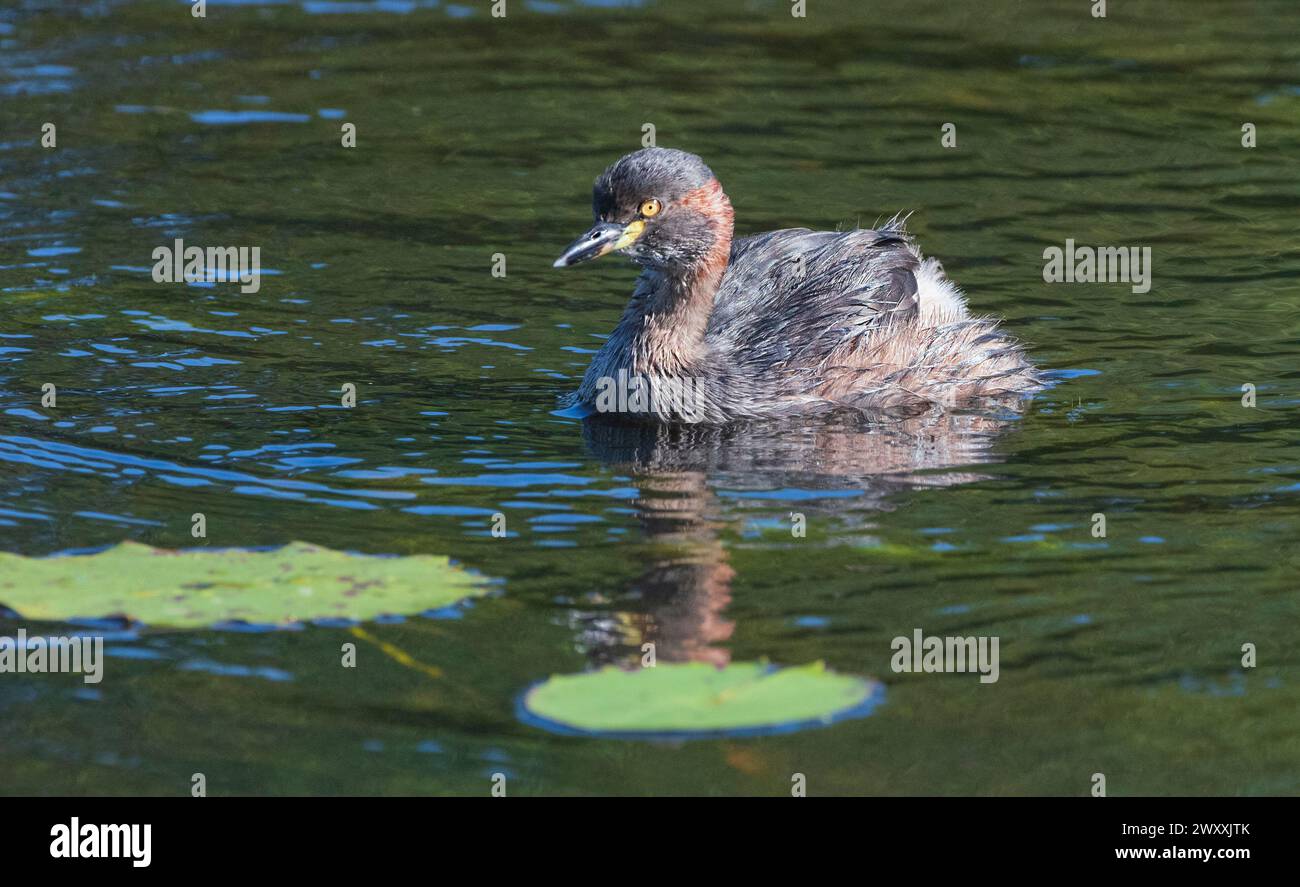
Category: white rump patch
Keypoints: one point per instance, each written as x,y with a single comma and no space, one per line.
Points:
940,300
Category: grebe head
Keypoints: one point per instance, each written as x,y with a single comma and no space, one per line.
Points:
661,207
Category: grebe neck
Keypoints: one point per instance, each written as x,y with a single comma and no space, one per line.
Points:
672,311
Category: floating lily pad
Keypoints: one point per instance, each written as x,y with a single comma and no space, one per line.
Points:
697,700
187,589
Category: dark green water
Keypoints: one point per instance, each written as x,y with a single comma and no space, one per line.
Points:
478,136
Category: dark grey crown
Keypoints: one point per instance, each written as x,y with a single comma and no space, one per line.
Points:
665,173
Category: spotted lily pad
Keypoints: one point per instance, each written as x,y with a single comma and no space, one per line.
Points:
697,700
187,589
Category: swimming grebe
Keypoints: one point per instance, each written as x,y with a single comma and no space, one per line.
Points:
778,324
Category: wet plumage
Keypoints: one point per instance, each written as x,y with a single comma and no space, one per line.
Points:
785,323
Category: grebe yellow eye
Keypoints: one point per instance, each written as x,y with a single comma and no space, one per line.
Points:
650,207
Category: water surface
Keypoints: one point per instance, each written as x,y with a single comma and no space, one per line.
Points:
478,136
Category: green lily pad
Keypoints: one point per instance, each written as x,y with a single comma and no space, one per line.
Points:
697,700
197,587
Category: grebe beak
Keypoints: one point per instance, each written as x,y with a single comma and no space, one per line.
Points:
604,237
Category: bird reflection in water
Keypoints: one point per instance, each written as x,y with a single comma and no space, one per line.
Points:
679,600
